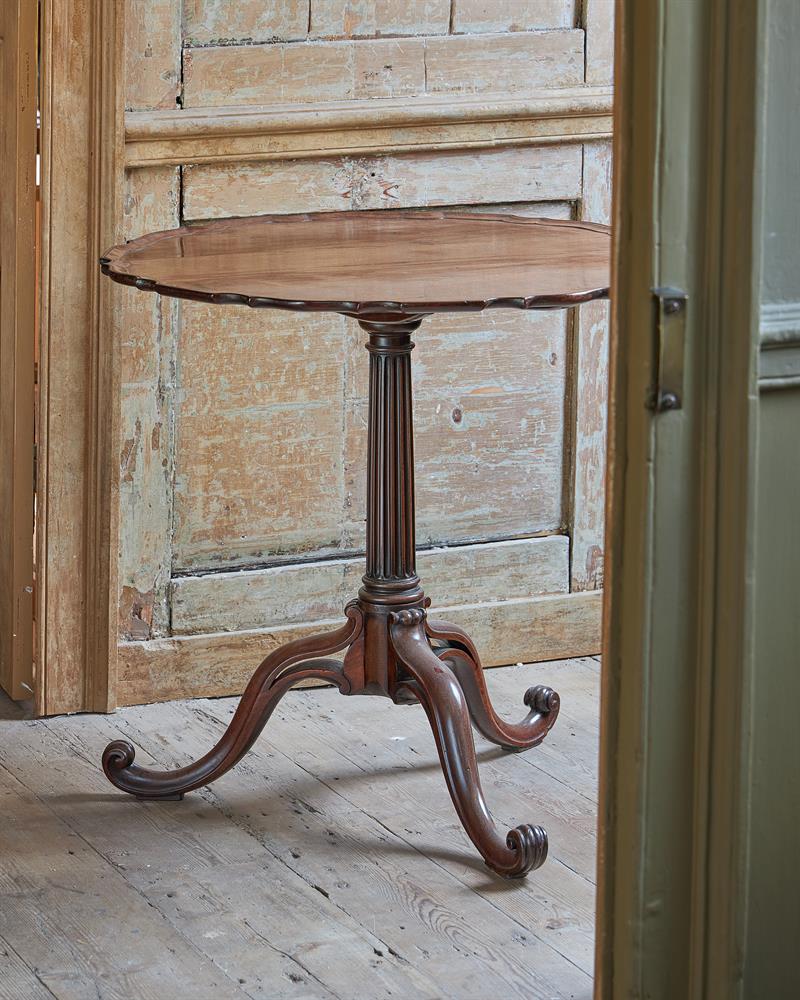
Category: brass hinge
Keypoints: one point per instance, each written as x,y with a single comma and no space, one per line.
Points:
670,323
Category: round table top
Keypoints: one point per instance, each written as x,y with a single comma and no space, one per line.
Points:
382,264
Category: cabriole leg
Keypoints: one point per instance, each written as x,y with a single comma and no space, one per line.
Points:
281,670
435,685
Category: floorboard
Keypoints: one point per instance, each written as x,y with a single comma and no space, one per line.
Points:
328,864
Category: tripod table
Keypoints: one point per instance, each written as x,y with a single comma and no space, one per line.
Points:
387,270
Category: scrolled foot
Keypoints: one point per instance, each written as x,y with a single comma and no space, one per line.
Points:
117,755
529,843
542,699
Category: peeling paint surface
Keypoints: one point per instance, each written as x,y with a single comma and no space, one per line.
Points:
479,16
315,70
422,180
591,418
136,614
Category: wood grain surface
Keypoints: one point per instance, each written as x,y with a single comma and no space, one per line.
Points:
365,263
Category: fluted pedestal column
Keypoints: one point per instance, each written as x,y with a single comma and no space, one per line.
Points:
390,583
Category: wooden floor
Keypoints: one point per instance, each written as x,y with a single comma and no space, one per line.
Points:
328,863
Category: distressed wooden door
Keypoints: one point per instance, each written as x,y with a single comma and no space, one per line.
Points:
18,104
242,480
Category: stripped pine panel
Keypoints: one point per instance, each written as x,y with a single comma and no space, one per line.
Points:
520,61
279,595
410,180
145,501
259,418
371,18
591,396
343,70
151,201
538,628
598,20
473,460
596,198
152,53
474,16
588,512
318,71
219,663
214,22
497,351
146,327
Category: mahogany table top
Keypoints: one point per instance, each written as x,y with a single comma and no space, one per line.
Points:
395,263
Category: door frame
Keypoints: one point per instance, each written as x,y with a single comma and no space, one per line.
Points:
677,668
76,537
18,62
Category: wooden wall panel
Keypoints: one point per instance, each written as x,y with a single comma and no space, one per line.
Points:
587,527
217,602
598,19
345,70
316,71
474,16
215,22
220,663
152,56
259,418
544,173
372,18
489,425
146,327
484,64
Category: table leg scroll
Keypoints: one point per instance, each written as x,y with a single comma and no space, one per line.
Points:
282,669
461,654
435,685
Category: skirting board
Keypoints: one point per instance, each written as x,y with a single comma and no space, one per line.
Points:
221,663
